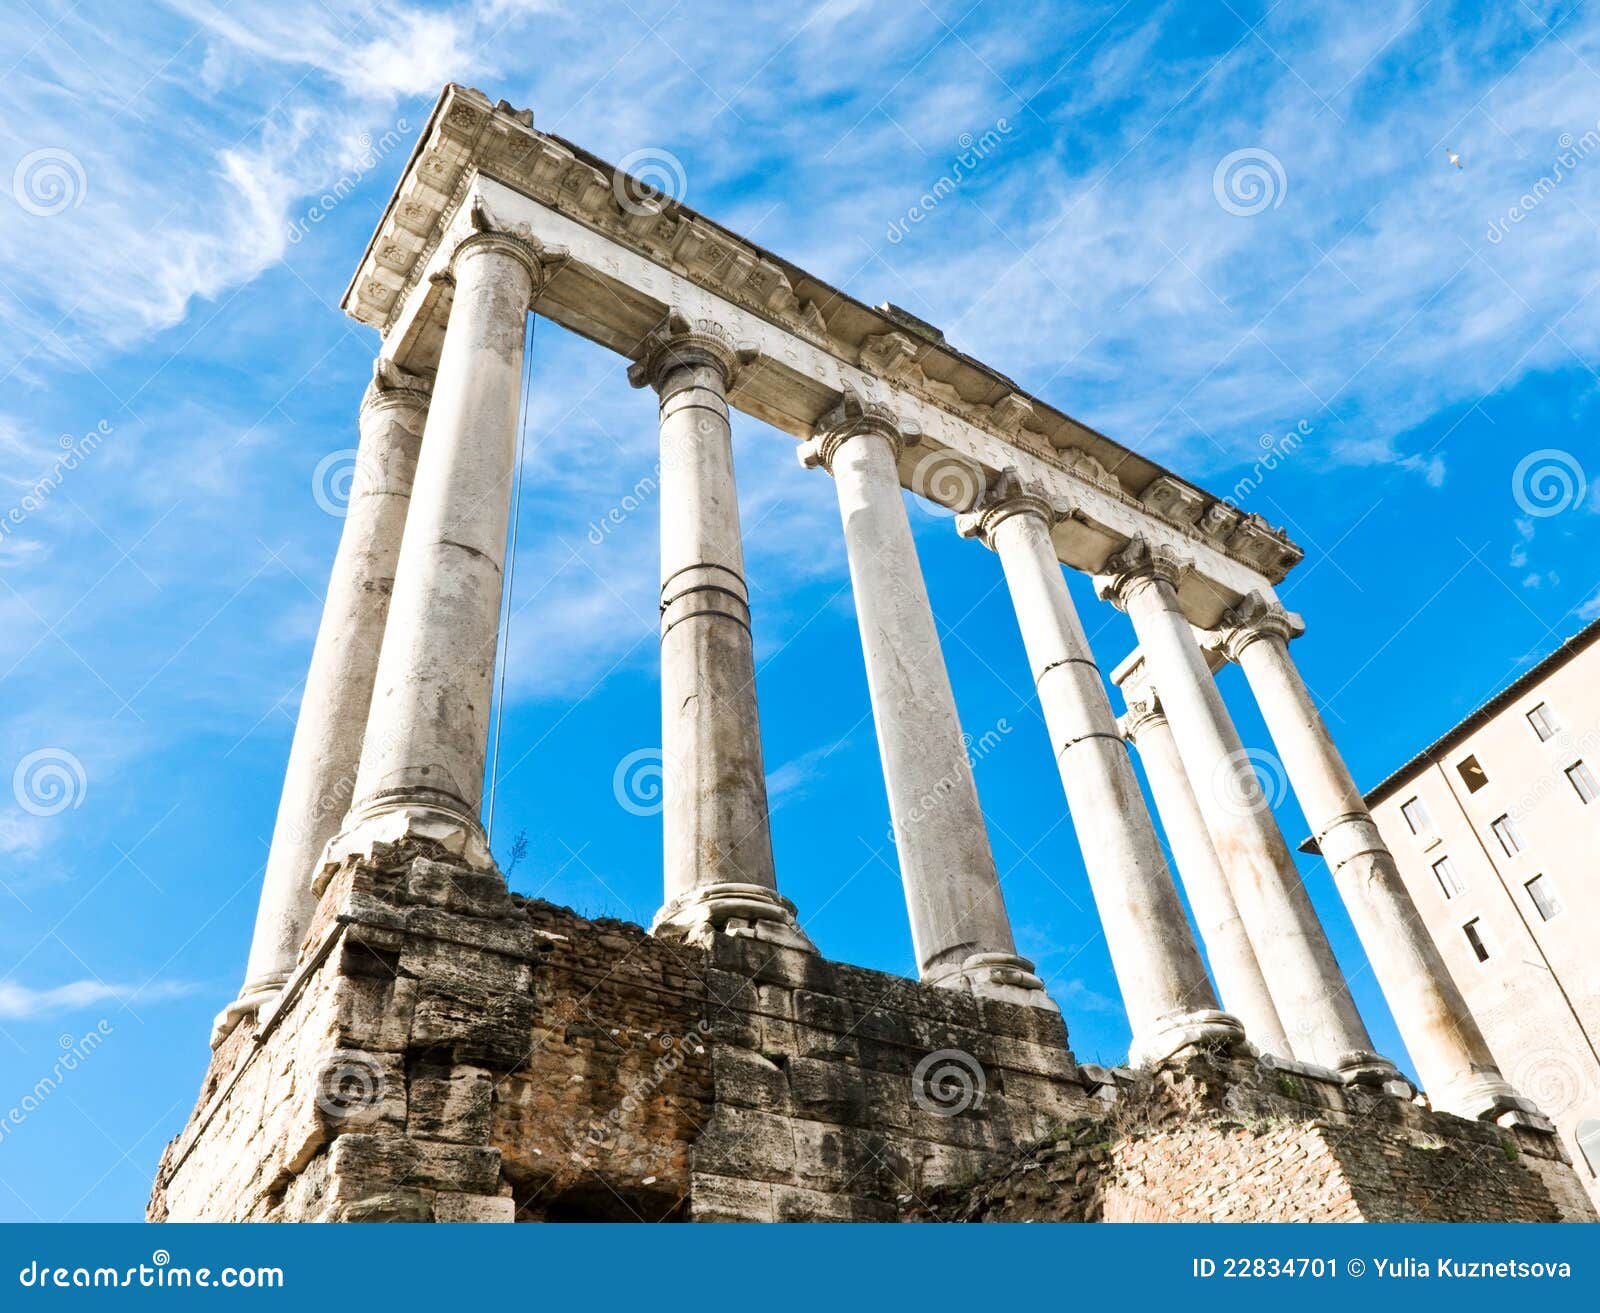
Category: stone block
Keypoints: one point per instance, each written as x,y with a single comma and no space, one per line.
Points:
363,1165
840,1159
456,1105
793,1203
475,1026
828,1091
746,1079
729,1199
745,1143
453,1206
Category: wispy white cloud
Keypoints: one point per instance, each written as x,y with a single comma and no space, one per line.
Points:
23,1003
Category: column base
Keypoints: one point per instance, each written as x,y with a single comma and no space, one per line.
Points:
1363,1067
745,911
1206,1031
395,823
1483,1094
250,1002
1001,976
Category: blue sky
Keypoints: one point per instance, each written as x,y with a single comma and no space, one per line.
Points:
169,311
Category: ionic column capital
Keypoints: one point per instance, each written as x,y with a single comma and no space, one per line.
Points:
393,386
526,253
1144,710
1138,563
679,341
855,417
1009,494
489,234
1255,616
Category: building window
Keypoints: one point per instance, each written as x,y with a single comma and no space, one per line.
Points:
1583,781
1544,722
1589,1144
1476,940
1544,897
1417,817
1473,774
1444,871
1508,835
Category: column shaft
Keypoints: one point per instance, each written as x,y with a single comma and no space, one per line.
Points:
1170,1003
422,763
716,837
959,927
1233,961
326,748
1308,989
1452,1056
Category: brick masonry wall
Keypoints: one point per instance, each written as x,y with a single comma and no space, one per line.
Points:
449,1051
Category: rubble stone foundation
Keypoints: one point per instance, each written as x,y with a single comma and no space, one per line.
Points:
448,1051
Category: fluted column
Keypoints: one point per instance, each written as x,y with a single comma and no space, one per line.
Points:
1169,1000
1233,961
1451,1054
326,747
716,840
959,925
421,772
1309,990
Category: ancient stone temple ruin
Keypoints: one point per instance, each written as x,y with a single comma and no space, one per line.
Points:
414,1042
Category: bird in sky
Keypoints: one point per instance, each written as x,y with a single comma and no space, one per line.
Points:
1454,158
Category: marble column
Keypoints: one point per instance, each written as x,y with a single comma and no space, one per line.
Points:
326,747
1308,989
959,925
716,839
1452,1056
1233,961
1168,997
421,773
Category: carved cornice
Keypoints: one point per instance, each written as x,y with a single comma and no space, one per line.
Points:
1009,494
680,341
468,136
1254,617
1138,563
854,416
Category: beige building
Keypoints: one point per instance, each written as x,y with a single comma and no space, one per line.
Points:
1496,828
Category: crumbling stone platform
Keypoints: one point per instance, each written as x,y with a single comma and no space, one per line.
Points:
448,1051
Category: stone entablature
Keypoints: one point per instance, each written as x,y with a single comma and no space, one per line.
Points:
632,257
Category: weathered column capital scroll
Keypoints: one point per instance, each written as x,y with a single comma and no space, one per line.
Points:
1137,563
393,386
1008,494
855,416
1255,616
680,341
